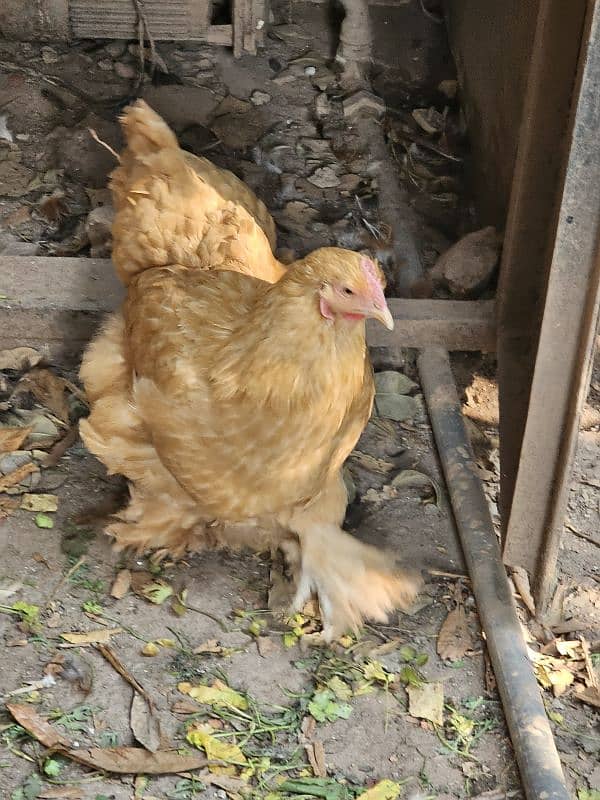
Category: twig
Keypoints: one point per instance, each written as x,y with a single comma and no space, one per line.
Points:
582,535
96,138
63,580
119,667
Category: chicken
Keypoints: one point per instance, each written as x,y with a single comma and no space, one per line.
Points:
175,208
231,402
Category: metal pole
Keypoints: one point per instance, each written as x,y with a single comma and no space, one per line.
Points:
536,753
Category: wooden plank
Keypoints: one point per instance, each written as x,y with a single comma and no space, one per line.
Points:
59,303
566,343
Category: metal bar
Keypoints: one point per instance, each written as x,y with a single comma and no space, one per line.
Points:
536,753
564,356
525,258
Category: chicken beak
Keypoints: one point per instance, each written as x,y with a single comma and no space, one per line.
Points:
384,316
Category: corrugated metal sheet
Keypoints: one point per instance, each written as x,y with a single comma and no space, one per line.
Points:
117,19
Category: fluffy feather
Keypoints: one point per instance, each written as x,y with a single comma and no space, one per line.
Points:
231,403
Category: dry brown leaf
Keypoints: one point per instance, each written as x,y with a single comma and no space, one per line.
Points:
19,358
121,585
144,723
48,389
122,760
91,637
591,696
62,793
12,438
184,707
15,477
371,463
454,638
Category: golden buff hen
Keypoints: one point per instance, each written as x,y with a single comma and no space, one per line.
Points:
229,402
175,208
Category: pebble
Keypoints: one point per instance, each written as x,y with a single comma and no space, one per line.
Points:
259,98
125,70
349,182
310,71
105,64
322,106
324,178
205,64
12,461
117,48
49,55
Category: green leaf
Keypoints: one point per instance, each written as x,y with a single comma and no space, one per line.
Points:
325,788
44,521
340,688
157,592
29,790
588,794
374,671
324,707
52,767
410,676
92,607
289,639
407,653
421,659
29,614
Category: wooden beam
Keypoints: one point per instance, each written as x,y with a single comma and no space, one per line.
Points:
58,303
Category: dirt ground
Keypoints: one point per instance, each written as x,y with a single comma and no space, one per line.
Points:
332,722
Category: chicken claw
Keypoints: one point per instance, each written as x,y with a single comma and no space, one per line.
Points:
353,581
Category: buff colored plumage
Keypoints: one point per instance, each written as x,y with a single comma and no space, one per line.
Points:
231,404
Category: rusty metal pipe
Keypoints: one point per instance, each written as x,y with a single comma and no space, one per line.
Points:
535,750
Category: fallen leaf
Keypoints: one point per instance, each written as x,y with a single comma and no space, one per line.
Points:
184,707
426,702
157,592
48,389
121,584
324,707
19,359
340,688
219,695
371,463
454,638
102,636
122,760
384,790
39,502
144,723
61,793
44,521
216,750
210,646
325,788
16,476
590,695
150,649
11,439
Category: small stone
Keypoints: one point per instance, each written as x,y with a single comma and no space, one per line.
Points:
297,216
392,382
285,76
363,102
316,148
49,55
98,227
116,48
310,71
205,64
322,106
125,70
398,407
349,182
324,178
466,268
105,64
232,105
323,79
259,98
12,461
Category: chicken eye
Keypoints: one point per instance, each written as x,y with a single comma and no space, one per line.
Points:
347,290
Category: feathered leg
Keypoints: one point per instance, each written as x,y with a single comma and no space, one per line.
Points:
353,581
